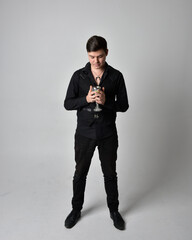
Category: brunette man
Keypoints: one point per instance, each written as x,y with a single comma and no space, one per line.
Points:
96,127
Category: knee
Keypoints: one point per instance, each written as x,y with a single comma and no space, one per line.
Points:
79,177
111,177
109,172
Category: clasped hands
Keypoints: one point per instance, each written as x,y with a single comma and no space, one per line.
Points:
98,96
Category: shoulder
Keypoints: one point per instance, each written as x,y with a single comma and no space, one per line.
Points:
114,72
81,72
78,71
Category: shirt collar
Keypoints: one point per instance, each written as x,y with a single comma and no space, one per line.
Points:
87,71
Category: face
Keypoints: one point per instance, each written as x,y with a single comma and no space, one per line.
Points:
97,59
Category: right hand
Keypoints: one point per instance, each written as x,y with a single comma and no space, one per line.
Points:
90,96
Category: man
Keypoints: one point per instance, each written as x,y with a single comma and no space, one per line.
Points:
96,127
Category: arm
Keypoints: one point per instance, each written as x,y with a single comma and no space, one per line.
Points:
72,100
120,104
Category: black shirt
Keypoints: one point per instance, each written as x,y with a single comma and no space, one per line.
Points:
90,124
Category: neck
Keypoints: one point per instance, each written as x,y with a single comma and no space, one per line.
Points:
97,71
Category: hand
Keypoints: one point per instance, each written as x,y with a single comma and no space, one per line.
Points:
100,96
91,97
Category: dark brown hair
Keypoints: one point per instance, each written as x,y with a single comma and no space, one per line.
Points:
96,43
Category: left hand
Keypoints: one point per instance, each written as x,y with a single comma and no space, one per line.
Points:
100,96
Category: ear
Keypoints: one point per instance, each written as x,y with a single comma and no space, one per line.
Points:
107,51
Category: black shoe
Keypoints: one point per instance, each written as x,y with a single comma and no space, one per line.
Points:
72,218
117,220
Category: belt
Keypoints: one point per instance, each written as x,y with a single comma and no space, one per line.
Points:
95,115
88,109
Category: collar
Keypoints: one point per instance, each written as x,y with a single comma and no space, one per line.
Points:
87,71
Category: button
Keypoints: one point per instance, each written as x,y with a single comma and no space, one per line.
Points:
96,116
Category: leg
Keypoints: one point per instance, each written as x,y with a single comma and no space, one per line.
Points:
84,149
108,156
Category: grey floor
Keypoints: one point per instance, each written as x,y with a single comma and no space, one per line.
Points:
35,199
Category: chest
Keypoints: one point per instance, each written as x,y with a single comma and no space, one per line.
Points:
109,83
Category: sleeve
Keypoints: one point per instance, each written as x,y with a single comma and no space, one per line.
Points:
72,100
120,104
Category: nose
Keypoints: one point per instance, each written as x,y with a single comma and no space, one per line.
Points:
96,59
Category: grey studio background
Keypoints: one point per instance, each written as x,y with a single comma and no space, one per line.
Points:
42,43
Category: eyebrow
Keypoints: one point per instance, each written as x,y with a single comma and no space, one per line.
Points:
95,56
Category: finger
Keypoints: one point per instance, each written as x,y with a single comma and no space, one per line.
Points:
90,89
92,94
99,101
93,97
103,89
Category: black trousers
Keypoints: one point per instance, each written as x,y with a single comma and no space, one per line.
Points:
84,149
